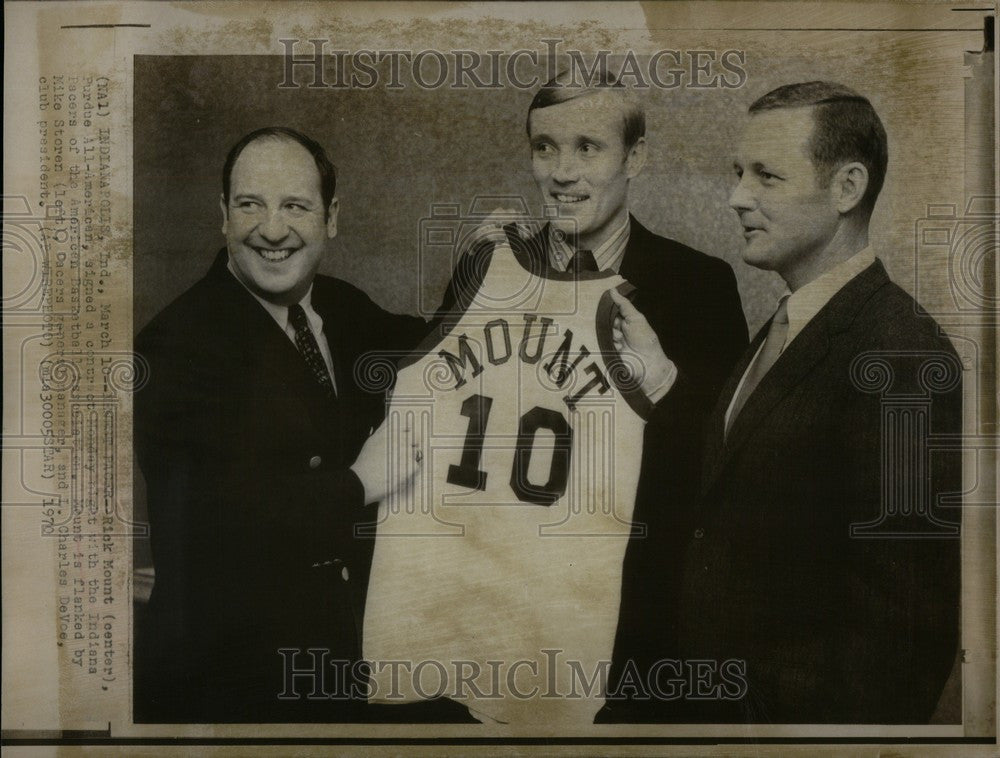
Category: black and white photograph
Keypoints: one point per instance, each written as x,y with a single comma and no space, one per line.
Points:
505,378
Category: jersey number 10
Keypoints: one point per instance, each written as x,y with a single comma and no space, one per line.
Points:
468,474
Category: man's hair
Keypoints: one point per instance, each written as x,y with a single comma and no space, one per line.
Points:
846,128
327,172
564,87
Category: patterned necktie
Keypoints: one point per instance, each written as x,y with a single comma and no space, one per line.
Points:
583,260
306,342
769,353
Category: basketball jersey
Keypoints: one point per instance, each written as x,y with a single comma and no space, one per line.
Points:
496,578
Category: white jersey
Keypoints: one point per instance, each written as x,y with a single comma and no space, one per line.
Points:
496,579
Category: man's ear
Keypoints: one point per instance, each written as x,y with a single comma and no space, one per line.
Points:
225,213
849,185
331,218
636,158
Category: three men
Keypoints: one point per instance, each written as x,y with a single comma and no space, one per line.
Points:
778,573
244,433
822,562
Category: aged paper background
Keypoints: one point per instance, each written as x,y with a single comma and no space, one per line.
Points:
117,118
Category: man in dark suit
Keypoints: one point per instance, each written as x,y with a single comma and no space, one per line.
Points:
821,570
245,432
587,144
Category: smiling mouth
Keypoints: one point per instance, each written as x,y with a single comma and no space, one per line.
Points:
274,255
569,199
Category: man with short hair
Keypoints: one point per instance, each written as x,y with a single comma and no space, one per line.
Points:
245,432
821,572
587,143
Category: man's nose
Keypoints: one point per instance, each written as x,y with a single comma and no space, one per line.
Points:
741,198
274,228
567,168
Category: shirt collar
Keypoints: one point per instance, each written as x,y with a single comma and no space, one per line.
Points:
807,301
608,255
280,312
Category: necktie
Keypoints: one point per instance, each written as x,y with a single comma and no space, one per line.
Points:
306,342
769,353
583,260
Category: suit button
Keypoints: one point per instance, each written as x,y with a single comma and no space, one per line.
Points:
315,461
699,533
345,574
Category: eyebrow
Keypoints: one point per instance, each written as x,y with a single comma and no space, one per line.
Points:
757,167
288,199
578,138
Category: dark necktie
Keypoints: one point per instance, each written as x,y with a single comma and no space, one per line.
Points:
769,353
305,340
583,260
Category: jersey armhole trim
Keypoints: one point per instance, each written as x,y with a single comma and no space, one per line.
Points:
465,296
617,370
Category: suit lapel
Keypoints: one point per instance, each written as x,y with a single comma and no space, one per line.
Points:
265,344
633,265
716,428
806,350
794,364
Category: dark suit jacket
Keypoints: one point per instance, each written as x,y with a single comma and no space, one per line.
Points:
831,628
251,504
691,302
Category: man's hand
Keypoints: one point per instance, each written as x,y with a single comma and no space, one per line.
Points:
634,338
382,475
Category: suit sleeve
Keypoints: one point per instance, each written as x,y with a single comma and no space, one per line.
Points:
704,335
715,336
396,332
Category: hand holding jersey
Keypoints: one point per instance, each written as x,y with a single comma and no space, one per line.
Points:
634,338
632,335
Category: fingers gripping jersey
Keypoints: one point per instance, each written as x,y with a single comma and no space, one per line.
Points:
496,578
